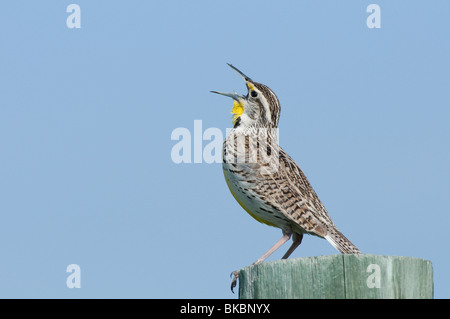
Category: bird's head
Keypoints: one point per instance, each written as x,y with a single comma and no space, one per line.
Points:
260,108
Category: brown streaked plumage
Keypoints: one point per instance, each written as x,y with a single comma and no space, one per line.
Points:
266,181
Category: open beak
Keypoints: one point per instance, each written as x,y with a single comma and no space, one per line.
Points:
234,95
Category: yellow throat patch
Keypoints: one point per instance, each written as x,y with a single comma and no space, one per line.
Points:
237,110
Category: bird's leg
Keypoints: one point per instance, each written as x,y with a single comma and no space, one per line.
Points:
278,244
296,241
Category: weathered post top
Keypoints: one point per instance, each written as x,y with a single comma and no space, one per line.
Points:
339,277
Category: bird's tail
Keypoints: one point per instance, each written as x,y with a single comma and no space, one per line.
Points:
340,242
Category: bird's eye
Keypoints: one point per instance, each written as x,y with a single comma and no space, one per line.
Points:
253,93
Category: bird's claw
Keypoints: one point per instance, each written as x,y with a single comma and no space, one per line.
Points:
235,275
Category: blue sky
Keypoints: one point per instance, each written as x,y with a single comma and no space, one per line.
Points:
86,117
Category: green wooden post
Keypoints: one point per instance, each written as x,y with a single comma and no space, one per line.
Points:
339,277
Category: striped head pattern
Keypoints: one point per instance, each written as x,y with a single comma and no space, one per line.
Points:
260,108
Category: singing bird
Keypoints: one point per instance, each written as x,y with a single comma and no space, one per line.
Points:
266,181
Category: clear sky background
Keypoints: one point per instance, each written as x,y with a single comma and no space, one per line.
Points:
86,117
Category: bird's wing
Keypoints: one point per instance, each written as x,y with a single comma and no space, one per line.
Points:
294,196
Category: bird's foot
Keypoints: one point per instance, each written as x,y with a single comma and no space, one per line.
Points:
235,275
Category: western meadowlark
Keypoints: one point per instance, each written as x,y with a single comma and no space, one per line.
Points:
265,181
